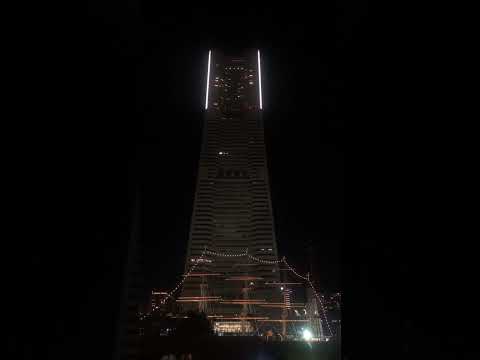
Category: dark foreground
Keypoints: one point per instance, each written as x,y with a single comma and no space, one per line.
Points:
233,348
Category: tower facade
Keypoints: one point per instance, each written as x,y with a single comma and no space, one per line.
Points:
232,207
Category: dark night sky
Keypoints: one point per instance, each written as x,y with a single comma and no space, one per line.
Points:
116,101
306,92
122,93
154,66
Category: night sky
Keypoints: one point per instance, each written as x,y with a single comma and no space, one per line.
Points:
116,109
306,91
122,94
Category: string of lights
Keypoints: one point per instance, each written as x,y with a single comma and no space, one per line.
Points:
214,253
322,307
186,276
264,261
254,258
245,253
314,291
293,270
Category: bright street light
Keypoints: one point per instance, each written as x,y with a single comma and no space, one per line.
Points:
307,335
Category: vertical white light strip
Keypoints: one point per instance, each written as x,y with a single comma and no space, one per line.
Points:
208,79
259,79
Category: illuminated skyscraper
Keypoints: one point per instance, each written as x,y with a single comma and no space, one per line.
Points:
232,208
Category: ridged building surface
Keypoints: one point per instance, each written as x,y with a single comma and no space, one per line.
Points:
232,208
128,346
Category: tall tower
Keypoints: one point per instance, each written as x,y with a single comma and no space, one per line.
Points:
232,208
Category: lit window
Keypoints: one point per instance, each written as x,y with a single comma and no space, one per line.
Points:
201,260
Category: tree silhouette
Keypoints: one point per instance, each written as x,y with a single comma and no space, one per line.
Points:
195,326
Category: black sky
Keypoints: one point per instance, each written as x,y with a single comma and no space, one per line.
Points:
118,106
308,67
108,98
137,120
122,93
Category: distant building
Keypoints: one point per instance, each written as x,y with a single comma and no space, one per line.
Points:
131,299
162,303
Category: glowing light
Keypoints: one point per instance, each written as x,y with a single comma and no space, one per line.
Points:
240,302
259,79
208,79
281,287
307,335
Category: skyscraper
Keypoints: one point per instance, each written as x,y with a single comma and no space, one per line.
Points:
232,208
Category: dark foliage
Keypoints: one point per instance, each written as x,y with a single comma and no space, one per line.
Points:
195,326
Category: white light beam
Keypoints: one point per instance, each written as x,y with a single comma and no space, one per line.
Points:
260,80
208,79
